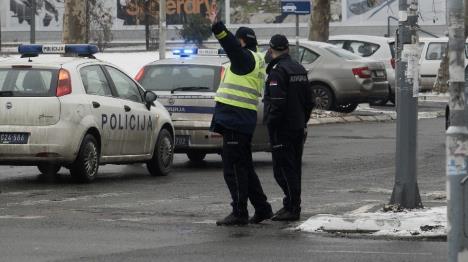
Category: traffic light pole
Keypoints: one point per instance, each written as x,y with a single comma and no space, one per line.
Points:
405,191
457,137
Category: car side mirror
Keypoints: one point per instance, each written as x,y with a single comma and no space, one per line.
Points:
150,97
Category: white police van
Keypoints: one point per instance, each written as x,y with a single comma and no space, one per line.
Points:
186,86
77,112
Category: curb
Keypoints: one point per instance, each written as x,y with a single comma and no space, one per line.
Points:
433,98
384,117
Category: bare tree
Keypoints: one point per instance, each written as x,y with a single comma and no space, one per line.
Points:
320,21
74,22
99,23
466,18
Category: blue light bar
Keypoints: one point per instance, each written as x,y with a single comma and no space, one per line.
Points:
30,49
80,50
186,52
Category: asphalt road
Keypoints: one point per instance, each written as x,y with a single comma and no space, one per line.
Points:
126,215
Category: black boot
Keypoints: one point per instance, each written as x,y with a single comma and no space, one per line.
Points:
282,210
233,220
287,215
259,217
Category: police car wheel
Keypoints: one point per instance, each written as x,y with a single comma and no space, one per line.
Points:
86,165
49,169
196,156
161,163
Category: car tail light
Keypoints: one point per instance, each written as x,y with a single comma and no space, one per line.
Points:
222,72
362,72
140,74
64,83
392,61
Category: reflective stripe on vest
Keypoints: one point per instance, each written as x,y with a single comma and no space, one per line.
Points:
243,91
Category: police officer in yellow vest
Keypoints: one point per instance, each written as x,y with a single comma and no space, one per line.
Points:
235,118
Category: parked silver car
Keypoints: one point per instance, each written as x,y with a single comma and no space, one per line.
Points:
340,79
374,47
186,86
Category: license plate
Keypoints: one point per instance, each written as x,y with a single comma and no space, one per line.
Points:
182,140
14,138
380,73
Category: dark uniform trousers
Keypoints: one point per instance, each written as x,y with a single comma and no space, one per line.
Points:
239,174
287,148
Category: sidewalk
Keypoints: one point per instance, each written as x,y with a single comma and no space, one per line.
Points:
365,113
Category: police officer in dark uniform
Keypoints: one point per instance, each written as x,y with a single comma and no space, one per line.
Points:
288,105
235,118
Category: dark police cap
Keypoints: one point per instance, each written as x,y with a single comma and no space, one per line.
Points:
246,33
279,42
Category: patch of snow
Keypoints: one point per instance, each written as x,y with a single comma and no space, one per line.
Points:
428,222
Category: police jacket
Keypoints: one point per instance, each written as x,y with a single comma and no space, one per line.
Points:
288,95
242,63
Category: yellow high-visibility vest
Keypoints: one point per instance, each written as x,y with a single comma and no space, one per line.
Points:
243,90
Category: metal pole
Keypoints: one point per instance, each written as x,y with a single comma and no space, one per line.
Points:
297,38
405,191
227,15
457,136
88,22
147,30
0,33
162,29
32,17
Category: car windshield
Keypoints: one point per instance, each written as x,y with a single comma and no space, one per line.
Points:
27,82
195,78
341,53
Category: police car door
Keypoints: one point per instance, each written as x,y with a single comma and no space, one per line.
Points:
136,120
104,108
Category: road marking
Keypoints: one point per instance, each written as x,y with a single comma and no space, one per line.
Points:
128,219
369,252
17,193
64,200
21,217
205,222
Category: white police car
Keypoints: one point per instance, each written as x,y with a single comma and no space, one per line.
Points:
186,85
78,112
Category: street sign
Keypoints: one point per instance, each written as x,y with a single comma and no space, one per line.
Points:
296,7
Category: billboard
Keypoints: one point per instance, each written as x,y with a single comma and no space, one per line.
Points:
130,14
376,12
269,12
49,14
